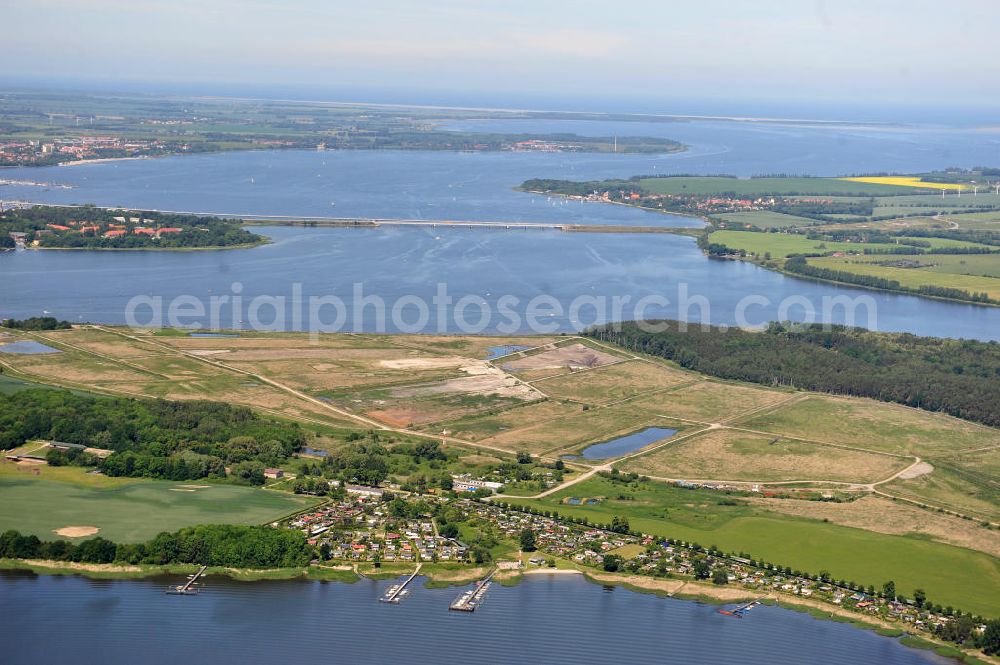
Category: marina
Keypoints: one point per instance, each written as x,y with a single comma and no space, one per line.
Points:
473,598
742,610
397,592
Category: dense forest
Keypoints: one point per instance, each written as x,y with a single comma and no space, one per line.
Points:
88,227
149,438
958,377
225,545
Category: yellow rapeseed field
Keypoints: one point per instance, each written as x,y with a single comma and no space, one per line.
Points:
907,181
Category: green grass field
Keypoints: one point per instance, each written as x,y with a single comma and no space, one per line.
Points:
780,245
947,271
135,510
766,219
768,186
950,575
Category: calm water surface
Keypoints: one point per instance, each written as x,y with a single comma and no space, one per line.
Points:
627,444
543,620
392,262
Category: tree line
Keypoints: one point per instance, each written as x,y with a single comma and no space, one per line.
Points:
225,545
36,323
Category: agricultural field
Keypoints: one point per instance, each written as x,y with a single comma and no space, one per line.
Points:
781,245
728,454
765,219
950,574
768,186
947,203
127,510
907,181
972,273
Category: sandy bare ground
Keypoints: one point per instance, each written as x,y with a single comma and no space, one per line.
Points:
207,352
89,567
576,356
892,517
915,471
425,363
551,571
482,379
76,531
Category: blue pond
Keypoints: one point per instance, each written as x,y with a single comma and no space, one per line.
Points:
498,351
27,348
627,444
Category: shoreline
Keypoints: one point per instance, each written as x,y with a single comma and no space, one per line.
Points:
104,160
211,248
696,232
442,577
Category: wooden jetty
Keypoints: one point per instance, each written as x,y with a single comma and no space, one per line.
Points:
189,588
396,592
470,600
740,611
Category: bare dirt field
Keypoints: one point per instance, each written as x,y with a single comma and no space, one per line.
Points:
917,470
76,531
482,379
576,356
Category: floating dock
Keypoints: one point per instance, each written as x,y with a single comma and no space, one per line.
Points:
397,592
742,610
189,588
470,600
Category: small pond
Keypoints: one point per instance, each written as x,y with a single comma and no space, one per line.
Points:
27,348
506,349
626,444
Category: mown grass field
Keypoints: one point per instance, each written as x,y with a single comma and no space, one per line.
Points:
768,186
950,575
948,271
131,510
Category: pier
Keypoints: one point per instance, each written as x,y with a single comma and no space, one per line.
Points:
190,587
395,593
470,600
740,611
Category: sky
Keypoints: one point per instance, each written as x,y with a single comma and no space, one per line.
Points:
840,51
